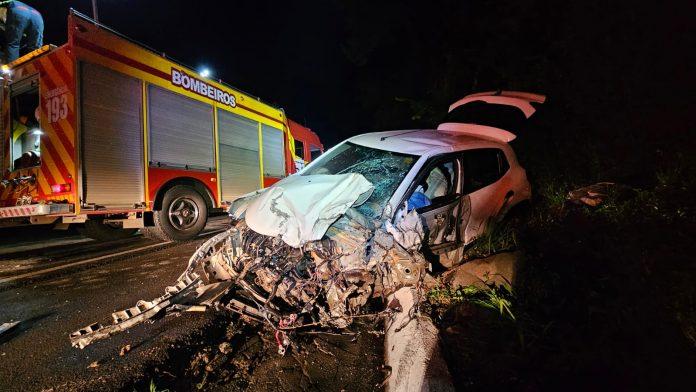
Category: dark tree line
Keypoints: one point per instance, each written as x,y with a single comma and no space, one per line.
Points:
618,74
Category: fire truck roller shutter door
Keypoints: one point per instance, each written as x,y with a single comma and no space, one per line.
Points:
273,154
181,130
239,155
111,137
2,135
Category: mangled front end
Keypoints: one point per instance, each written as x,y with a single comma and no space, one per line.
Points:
299,255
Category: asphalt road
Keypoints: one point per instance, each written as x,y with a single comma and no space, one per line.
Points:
55,283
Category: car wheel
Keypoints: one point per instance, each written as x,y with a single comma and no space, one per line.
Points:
100,231
182,217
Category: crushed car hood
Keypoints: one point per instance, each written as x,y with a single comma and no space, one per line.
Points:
300,209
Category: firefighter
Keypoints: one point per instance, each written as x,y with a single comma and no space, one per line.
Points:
23,26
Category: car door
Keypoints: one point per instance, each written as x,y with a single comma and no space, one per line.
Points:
485,184
436,195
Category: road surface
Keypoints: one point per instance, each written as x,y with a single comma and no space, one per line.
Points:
55,283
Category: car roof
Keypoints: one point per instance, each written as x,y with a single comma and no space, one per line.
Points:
424,142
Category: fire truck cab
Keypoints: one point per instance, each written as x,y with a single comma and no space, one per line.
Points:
107,134
307,147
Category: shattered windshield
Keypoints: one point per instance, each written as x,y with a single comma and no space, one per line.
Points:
384,169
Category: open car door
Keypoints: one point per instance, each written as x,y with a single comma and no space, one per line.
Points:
436,196
493,114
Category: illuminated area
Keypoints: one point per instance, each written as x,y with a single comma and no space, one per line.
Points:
205,72
25,129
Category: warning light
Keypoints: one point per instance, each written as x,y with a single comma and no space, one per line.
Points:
205,72
60,188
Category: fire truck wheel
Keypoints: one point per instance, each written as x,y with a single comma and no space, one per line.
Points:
99,231
183,215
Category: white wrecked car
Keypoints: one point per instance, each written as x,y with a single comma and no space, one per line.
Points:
368,217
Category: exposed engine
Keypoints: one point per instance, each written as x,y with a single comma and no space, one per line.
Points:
323,283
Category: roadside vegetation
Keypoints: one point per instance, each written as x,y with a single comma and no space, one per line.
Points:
603,297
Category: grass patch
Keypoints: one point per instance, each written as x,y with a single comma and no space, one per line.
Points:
502,237
498,299
153,387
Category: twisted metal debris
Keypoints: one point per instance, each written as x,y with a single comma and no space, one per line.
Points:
321,284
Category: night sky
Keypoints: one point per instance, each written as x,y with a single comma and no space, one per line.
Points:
345,67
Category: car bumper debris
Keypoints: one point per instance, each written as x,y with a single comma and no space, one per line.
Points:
318,283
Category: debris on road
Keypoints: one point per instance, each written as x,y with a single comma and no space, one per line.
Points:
6,327
591,195
225,347
143,310
124,350
318,273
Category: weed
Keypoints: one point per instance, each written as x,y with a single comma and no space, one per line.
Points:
153,387
553,193
492,297
501,237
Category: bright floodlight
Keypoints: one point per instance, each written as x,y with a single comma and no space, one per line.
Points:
205,72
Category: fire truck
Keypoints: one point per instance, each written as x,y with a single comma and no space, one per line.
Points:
114,137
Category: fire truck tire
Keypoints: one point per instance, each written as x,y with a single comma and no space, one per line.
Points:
99,231
182,217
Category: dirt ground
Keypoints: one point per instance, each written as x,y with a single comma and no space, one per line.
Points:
238,356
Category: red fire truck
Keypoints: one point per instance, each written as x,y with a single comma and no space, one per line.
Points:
107,134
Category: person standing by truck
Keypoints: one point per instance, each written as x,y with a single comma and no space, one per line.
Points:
23,26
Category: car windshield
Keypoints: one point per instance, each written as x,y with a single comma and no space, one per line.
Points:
384,169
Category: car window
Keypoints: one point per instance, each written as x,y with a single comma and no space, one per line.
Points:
384,169
435,185
483,167
440,181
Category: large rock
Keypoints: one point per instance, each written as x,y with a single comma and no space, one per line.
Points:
498,269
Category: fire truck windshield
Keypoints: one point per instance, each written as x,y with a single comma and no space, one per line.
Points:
24,129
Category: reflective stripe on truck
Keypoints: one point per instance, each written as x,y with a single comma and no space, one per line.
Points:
34,209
